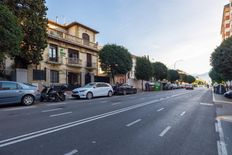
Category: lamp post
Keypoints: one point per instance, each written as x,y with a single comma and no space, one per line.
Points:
177,62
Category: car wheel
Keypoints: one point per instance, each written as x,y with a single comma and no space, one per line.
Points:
89,95
135,92
110,93
124,92
28,100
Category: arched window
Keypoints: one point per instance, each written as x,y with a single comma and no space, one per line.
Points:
85,38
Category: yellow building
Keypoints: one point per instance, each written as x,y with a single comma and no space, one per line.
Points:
71,55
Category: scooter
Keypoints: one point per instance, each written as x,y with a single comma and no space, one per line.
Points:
50,94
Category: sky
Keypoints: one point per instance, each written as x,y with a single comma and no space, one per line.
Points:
180,33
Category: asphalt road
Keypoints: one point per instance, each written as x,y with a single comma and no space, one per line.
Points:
179,122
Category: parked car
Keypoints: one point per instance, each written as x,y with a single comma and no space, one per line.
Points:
189,86
94,89
124,89
228,94
16,92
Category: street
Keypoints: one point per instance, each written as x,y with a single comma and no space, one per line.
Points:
178,122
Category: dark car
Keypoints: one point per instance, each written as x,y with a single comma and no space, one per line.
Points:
124,89
16,92
228,94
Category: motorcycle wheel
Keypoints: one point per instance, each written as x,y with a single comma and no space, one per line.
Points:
62,97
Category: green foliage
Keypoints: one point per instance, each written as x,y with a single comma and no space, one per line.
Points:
115,59
173,75
31,15
221,59
190,79
160,71
215,77
143,69
10,34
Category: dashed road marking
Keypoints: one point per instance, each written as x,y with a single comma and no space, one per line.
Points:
19,108
50,110
165,131
207,104
116,103
160,109
72,152
65,113
183,113
132,123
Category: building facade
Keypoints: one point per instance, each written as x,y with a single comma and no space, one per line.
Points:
226,30
70,58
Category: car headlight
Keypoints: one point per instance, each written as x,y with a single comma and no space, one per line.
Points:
82,91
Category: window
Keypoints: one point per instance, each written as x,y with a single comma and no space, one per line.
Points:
53,53
9,86
85,38
54,76
39,74
73,56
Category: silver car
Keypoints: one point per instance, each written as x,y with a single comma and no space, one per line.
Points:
16,92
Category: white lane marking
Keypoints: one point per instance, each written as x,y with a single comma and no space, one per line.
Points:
165,131
207,104
19,108
161,99
71,152
221,144
51,104
50,110
142,98
116,103
182,114
160,109
35,134
132,123
65,113
104,101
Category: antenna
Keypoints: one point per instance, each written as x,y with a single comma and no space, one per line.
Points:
57,19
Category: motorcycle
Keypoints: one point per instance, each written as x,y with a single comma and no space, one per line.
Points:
50,94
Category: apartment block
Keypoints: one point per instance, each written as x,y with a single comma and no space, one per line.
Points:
226,30
71,55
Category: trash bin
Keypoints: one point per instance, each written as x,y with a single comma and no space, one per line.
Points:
157,87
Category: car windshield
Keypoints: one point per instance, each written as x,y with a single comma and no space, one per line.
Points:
90,85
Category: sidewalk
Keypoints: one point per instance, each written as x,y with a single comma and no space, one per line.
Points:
224,118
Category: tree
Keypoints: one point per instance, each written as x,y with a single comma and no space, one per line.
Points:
221,59
215,77
160,71
143,69
10,34
190,79
31,15
173,75
115,59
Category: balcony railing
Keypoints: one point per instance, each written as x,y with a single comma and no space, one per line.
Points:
91,64
55,60
70,38
75,61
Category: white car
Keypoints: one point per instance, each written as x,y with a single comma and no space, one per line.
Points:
94,89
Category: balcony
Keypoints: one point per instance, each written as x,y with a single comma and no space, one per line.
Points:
91,65
55,61
74,62
71,39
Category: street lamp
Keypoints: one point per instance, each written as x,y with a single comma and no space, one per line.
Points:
177,62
